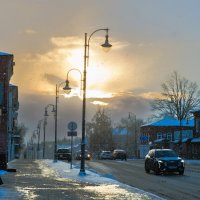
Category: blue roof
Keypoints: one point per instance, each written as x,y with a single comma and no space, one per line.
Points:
171,122
4,54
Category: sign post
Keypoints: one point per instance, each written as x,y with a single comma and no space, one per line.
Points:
72,126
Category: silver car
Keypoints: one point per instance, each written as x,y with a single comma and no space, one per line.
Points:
106,155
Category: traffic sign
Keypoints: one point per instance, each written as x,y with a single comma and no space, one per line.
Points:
72,133
72,126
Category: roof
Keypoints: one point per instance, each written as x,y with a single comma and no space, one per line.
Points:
4,54
171,122
195,140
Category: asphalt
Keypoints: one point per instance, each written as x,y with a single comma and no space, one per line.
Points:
30,182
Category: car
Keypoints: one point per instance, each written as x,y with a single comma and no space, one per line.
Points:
88,155
106,155
163,160
119,154
64,154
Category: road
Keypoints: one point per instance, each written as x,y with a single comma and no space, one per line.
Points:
169,186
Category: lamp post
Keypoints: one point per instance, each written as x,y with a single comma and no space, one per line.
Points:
45,123
56,116
135,119
38,133
86,59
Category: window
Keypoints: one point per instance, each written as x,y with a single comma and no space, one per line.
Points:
169,136
159,135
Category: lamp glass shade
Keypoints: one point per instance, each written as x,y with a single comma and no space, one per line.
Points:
106,46
67,88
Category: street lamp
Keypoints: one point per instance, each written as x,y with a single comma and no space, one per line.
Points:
38,133
129,117
67,87
56,116
45,123
106,45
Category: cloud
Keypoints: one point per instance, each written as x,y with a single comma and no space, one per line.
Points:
30,32
71,42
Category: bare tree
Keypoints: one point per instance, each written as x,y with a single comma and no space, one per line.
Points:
178,97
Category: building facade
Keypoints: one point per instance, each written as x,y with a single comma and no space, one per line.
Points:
6,72
169,133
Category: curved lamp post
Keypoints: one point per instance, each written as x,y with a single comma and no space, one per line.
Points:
45,123
38,133
56,116
106,45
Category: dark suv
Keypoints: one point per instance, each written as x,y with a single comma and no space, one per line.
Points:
163,160
119,154
64,154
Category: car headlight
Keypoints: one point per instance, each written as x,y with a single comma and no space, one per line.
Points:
181,163
160,162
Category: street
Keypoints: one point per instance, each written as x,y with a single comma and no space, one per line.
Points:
169,186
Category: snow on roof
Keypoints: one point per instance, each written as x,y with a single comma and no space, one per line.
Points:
195,140
4,54
171,122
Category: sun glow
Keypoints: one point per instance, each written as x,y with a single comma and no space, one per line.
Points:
75,59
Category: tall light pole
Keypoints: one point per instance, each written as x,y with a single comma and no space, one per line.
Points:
56,116
135,138
86,59
45,123
38,133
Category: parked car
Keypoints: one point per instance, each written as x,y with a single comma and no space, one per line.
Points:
106,155
119,154
64,154
88,155
164,160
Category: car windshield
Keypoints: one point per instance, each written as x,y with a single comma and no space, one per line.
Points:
159,154
107,152
63,151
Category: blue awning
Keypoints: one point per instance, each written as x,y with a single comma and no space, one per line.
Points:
195,140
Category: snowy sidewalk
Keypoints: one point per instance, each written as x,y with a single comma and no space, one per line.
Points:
48,180
104,185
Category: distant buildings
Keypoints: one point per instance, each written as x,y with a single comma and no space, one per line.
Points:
182,136
8,109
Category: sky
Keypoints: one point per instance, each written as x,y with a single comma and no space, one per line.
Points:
150,38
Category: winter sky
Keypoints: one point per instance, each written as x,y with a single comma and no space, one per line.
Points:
150,38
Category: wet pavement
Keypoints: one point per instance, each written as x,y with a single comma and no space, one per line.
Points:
33,182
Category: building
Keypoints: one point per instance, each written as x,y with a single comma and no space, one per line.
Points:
195,142
167,133
13,137
6,72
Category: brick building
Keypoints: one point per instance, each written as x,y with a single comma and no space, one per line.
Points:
169,133
6,72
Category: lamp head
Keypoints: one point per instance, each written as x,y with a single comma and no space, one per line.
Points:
46,113
67,88
106,46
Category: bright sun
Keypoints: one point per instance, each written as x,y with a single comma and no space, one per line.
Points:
97,75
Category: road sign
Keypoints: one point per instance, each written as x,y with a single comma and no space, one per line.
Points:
144,138
72,133
72,126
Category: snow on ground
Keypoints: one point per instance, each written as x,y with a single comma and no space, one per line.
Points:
104,185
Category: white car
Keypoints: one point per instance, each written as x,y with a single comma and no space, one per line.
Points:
106,155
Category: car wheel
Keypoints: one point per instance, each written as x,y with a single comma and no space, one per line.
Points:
181,172
147,170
